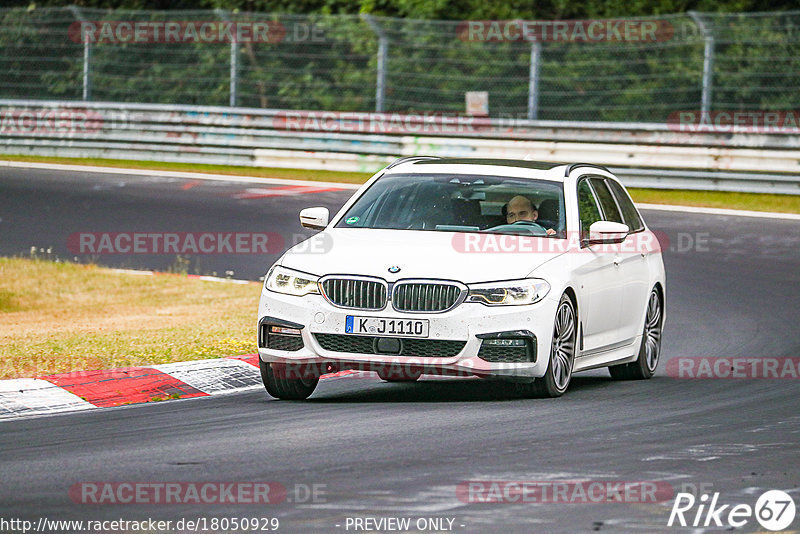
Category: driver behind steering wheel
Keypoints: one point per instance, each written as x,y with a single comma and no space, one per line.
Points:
520,208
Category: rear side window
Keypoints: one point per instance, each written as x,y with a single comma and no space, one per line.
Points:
607,202
629,213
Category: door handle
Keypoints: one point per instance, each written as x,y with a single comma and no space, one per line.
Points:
617,261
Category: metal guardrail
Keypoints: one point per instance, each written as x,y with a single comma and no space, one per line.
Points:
644,155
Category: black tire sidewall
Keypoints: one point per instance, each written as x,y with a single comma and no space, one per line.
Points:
646,372
285,388
548,382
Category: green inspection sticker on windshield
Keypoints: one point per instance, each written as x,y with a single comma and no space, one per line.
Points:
351,220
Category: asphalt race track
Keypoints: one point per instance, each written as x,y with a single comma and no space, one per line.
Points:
377,450
43,209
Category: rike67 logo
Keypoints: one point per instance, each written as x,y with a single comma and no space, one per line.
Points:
774,510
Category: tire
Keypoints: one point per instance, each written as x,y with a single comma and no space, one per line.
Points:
280,386
556,379
650,349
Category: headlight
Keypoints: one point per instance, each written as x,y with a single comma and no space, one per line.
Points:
509,293
283,280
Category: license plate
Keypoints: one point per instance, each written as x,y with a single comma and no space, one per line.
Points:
380,326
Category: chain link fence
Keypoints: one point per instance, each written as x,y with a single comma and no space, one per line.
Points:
632,70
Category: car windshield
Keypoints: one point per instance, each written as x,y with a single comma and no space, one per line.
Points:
460,203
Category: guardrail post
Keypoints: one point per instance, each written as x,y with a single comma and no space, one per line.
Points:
383,49
87,77
708,65
87,57
533,81
234,71
234,62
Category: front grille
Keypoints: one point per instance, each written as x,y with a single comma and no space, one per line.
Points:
281,342
431,348
503,354
412,347
507,354
355,293
425,297
343,343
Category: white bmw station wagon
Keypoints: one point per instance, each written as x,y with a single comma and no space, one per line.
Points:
511,270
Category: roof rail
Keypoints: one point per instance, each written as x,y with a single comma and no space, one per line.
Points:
406,159
574,166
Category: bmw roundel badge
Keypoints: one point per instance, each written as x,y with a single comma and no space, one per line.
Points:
394,269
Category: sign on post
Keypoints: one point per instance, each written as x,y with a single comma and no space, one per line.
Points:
477,103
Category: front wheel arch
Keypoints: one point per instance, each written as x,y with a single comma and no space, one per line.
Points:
579,339
554,383
652,331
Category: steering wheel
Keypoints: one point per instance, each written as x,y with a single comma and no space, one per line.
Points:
529,223
528,226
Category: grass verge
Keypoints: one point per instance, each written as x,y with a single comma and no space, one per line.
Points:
62,317
706,199
719,199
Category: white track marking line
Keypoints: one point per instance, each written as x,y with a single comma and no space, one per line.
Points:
720,211
340,185
175,174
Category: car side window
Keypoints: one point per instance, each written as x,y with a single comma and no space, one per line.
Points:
588,209
629,213
607,202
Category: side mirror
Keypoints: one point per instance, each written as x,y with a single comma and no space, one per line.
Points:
314,218
607,232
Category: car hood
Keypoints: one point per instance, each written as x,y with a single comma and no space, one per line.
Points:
419,254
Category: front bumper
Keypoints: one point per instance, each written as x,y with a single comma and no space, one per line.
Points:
452,347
